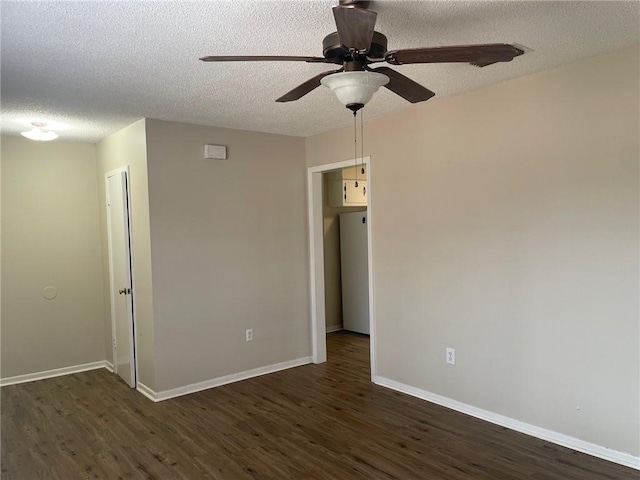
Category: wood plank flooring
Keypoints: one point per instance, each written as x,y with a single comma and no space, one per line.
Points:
312,422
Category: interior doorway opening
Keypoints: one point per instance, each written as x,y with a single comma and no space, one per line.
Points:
340,214
345,247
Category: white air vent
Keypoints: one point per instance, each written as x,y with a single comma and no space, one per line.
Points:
215,152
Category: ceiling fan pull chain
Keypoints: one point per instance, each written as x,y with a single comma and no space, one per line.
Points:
362,141
355,146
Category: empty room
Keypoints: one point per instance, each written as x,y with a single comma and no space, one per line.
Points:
338,239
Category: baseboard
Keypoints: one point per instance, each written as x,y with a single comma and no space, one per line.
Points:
217,382
146,391
334,328
109,366
592,449
56,372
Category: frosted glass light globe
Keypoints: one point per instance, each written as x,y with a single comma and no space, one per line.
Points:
354,87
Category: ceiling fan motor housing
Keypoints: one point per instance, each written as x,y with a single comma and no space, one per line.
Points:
334,52
355,3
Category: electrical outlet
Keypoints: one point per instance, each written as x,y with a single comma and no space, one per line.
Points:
248,334
451,356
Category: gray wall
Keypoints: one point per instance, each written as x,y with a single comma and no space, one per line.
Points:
506,225
229,250
128,147
50,237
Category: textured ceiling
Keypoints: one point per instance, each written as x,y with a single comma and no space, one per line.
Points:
99,66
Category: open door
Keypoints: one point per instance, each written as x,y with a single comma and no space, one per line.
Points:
118,224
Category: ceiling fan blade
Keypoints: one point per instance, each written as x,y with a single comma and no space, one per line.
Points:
404,86
482,54
304,88
355,27
254,58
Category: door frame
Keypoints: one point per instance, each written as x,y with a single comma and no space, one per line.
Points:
315,196
112,295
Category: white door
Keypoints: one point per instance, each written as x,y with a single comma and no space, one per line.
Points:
120,275
355,271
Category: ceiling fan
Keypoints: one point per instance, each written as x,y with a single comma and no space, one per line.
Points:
356,45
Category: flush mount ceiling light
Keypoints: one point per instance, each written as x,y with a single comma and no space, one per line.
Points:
38,134
354,89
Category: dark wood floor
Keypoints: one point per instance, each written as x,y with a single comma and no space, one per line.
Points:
312,422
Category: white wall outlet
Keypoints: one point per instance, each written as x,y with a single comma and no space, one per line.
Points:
451,356
248,334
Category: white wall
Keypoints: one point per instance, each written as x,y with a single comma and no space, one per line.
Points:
50,237
128,147
229,251
506,225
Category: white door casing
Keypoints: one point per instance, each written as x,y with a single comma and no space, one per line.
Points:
119,240
316,258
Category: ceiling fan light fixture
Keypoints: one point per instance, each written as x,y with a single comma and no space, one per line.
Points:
354,88
37,133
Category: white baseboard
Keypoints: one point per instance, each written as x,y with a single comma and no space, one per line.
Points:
146,391
334,328
592,449
56,372
217,382
109,366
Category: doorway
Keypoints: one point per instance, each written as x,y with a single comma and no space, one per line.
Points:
316,249
120,274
